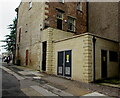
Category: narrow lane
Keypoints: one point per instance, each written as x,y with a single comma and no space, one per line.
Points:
9,85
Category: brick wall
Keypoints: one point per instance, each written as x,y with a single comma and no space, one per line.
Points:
70,9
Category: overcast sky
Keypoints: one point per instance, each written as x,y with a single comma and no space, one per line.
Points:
7,14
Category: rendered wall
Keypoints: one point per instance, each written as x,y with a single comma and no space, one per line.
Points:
30,21
103,19
112,67
82,56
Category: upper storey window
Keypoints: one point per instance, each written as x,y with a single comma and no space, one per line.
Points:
71,24
30,4
62,1
59,19
79,6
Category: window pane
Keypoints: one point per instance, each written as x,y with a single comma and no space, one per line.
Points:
59,24
79,6
59,14
62,1
71,24
113,56
30,4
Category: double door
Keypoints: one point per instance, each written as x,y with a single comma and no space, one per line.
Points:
64,63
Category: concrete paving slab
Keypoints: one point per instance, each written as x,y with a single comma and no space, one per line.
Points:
43,91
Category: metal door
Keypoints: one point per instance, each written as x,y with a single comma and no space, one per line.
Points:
104,63
60,63
64,63
67,67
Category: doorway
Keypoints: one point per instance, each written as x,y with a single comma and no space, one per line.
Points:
27,57
44,48
103,64
64,63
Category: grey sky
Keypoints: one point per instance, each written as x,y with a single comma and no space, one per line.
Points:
7,14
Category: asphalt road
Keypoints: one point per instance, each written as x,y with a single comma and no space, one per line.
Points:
10,85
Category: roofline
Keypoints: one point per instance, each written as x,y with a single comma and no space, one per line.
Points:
87,33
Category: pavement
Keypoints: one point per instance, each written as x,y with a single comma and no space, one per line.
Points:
35,83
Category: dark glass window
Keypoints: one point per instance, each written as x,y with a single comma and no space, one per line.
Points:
59,24
79,6
30,5
113,56
71,24
59,19
62,1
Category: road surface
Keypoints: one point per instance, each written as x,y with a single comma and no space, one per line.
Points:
9,85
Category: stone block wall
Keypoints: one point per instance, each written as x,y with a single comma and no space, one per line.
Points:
82,56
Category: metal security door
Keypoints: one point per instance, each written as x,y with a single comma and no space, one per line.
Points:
104,63
67,68
64,63
60,63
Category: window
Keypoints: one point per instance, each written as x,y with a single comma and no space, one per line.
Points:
113,56
62,1
19,34
79,6
59,19
71,24
30,4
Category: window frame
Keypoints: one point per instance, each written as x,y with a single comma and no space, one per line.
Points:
80,6
74,24
30,4
60,18
61,1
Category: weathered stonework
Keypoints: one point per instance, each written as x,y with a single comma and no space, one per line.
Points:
33,33
88,61
82,56
104,18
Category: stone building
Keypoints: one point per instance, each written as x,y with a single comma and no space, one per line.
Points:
62,38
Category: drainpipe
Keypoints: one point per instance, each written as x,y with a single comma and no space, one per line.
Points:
94,41
87,16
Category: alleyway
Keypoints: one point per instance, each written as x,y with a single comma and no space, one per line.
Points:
18,81
10,85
